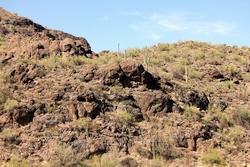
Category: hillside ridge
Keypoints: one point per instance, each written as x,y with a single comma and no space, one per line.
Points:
61,104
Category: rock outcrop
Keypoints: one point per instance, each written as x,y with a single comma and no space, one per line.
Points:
35,41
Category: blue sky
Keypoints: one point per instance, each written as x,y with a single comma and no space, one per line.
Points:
138,23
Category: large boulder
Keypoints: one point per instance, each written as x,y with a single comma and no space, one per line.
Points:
135,73
153,103
128,73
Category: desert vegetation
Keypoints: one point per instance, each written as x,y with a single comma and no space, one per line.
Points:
169,104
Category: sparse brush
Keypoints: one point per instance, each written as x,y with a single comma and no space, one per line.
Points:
124,116
163,147
8,135
213,157
195,74
241,116
231,69
246,77
15,161
116,89
236,134
82,124
10,104
192,111
198,55
164,47
133,52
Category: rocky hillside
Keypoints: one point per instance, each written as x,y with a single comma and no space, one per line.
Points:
61,104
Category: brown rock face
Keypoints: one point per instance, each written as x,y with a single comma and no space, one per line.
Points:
35,41
26,73
128,73
152,103
197,99
135,73
23,115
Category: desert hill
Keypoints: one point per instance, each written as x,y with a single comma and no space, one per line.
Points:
61,104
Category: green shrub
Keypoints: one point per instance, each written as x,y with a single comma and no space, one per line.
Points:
242,116
82,123
236,134
124,116
10,104
133,52
164,47
213,157
246,77
64,61
231,69
195,74
63,156
166,76
117,89
192,111
155,61
198,55
4,77
165,55
105,59
14,162
4,94
178,68
8,135
78,60
238,58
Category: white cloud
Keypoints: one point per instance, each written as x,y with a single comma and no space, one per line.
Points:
156,26
179,22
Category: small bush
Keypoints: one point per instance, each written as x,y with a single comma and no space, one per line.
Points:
231,69
4,94
213,157
8,135
178,68
154,61
238,58
63,156
198,55
133,52
14,162
246,77
82,124
143,152
78,60
195,74
10,104
117,89
165,55
4,77
124,116
192,111
64,61
166,76
163,147
235,135
242,116
164,47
